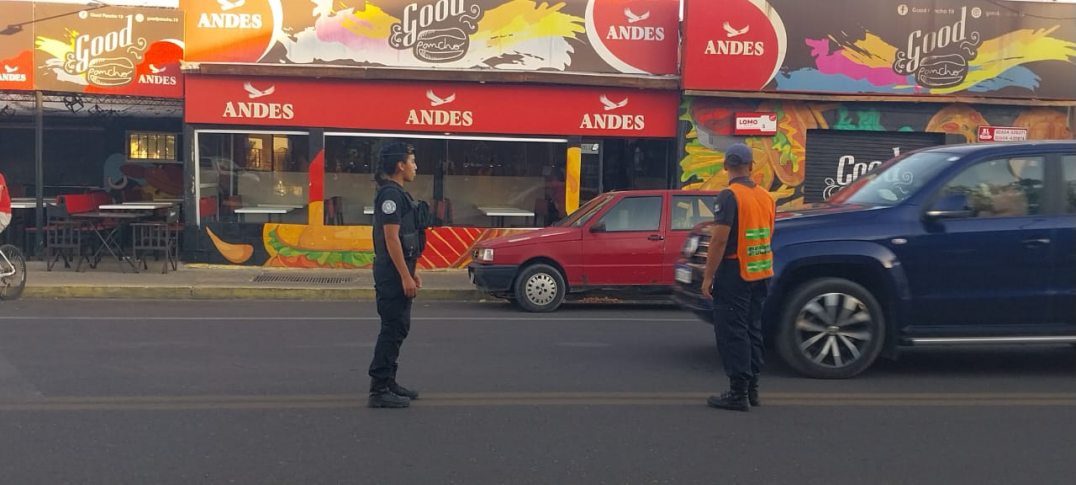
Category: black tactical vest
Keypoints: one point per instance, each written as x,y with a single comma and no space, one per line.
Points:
414,219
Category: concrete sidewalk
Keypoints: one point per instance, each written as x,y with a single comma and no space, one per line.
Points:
203,282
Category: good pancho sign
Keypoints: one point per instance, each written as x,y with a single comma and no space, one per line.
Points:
910,47
17,46
431,107
603,36
109,50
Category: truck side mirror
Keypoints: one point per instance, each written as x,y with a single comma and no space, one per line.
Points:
598,227
952,206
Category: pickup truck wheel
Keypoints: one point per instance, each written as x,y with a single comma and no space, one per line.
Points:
832,328
540,288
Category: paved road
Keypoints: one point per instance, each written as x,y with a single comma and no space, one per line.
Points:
265,393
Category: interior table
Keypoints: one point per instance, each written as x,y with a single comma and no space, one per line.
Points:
499,213
269,211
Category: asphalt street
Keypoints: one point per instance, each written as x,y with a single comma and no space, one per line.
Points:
260,393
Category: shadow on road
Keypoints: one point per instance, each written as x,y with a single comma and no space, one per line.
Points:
989,362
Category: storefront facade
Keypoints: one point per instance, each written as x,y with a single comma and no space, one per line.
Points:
508,135
825,98
89,101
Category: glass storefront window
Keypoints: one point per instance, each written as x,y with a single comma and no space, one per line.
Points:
611,164
253,176
350,163
520,177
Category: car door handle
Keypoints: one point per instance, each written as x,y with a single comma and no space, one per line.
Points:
656,237
1035,243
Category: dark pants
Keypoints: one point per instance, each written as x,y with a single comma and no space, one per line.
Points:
738,320
394,307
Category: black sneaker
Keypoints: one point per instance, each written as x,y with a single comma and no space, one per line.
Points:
731,400
388,399
402,391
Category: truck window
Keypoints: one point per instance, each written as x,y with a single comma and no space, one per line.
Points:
1009,187
1068,169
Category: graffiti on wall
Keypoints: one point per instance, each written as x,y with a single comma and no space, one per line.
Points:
617,36
781,159
337,247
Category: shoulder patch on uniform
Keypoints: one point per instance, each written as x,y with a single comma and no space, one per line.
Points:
388,207
717,207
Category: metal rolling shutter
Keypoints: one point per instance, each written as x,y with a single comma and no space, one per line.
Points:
825,175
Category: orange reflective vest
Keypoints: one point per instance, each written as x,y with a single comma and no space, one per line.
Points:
754,220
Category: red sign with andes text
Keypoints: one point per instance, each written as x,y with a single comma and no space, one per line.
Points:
431,107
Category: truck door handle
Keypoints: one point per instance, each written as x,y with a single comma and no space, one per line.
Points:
1034,243
656,237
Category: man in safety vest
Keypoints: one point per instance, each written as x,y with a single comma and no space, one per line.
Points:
739,264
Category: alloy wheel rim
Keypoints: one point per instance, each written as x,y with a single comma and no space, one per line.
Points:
541,289
833,330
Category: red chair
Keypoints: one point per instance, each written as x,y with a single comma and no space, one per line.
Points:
207,208
442,212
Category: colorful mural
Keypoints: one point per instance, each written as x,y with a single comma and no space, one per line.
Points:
616,36
932,47
344,247
142,179
781,159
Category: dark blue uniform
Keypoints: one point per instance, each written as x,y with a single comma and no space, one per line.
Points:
392,205
736,300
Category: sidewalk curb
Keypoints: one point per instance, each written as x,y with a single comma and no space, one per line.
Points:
199,292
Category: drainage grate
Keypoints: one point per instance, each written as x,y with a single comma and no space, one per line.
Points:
325,280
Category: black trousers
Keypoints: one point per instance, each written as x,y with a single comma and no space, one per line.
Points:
738,320
394,307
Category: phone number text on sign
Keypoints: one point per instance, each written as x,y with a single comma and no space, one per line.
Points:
994,133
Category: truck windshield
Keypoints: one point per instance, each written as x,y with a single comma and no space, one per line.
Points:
896,180
583,214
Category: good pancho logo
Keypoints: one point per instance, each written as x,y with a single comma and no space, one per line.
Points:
115,50
940,59
105,59
438,32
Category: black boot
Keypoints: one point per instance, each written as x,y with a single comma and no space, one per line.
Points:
734,400
381,396
399,390
752,392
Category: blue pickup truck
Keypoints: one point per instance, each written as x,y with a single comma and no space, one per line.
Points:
951,245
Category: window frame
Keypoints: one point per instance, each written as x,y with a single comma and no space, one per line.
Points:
672,205
609,210
176,148
1047,206
1056,191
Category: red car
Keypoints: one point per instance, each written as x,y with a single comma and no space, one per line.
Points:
618,241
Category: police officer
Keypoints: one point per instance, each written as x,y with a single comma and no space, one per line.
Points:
739,264
398,242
